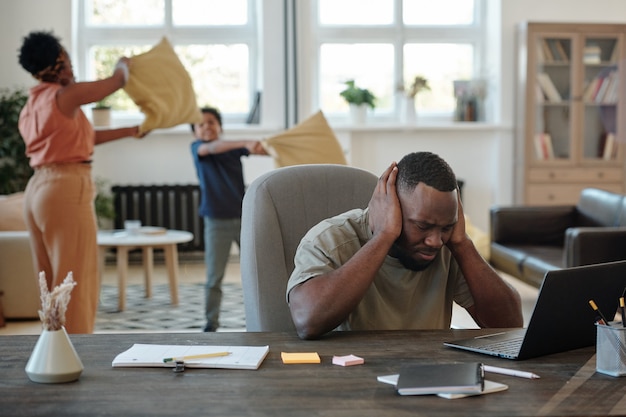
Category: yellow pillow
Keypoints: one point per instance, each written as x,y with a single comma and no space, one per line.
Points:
312,141
162,88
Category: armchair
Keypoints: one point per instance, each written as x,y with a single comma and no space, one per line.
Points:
278,209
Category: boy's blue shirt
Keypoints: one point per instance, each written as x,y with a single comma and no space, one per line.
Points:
221,182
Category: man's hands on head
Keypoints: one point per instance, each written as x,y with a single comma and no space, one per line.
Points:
385,214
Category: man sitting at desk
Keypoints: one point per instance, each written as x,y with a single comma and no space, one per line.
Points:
400,263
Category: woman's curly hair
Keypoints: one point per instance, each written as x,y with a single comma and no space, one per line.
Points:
39,50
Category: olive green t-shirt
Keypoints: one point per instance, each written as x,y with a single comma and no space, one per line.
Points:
398,298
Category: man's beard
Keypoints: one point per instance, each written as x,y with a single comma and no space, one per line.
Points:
406,260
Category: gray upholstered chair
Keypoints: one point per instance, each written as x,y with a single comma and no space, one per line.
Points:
278,209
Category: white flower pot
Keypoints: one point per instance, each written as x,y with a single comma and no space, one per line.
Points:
54,359
358,114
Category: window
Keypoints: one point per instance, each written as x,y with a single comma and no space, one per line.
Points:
386,45
215,40
299,53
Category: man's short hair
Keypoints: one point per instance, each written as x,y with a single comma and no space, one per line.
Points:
425,167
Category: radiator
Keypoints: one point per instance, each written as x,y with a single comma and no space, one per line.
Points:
169,206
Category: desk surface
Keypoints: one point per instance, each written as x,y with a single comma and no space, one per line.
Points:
123,238
568,385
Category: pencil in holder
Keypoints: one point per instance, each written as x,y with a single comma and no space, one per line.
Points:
611,349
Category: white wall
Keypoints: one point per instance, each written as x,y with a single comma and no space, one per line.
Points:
482,155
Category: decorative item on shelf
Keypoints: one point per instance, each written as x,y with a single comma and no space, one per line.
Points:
408,113
470,96
358,99
54,359
101,113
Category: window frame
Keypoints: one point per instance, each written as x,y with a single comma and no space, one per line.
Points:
313,34
86,36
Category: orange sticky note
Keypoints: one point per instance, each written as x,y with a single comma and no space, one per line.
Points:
300,357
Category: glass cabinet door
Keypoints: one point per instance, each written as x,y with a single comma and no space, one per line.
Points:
600,97
553,88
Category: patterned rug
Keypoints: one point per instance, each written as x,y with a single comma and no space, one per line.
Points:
156,313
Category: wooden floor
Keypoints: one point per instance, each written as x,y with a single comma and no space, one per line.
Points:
194,272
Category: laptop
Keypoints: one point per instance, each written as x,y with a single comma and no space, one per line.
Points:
562,318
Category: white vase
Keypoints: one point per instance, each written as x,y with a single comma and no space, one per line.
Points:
358,114
409,115
54,359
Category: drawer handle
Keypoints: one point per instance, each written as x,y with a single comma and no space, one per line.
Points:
551,175
600,174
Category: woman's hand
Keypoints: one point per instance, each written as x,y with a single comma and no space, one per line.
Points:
138,134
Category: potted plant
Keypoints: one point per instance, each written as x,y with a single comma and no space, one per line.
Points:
358,99
15,170
105,211
101,113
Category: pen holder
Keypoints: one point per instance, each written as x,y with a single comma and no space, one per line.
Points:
611,349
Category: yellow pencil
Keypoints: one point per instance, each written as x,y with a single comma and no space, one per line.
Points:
200,356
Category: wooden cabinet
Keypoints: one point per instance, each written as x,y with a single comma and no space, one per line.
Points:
571,111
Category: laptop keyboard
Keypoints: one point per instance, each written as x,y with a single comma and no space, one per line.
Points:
507,347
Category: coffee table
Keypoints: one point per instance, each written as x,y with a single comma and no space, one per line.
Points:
152,239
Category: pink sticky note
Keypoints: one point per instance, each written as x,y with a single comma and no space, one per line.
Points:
348,360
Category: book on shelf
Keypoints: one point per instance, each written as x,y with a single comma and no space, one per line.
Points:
607,92
557,51
543,146
561,49
603,88
615,53
592,54
591,89
454,378
610,147
548,87
547,53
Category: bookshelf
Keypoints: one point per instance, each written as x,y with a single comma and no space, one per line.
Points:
571,94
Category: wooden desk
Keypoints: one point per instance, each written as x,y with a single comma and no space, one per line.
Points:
568,385
125,242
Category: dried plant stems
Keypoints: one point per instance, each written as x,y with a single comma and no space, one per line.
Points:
54,303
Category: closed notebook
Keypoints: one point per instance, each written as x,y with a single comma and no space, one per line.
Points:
453,378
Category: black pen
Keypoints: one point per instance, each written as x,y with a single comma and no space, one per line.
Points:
621,306
603,319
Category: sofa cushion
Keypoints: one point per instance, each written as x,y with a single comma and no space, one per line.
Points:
506,259
18,280
598,208
11,212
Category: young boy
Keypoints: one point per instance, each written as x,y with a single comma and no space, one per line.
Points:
220,173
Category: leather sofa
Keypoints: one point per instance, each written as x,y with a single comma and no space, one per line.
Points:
528,241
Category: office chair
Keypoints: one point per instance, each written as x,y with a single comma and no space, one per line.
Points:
278,209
